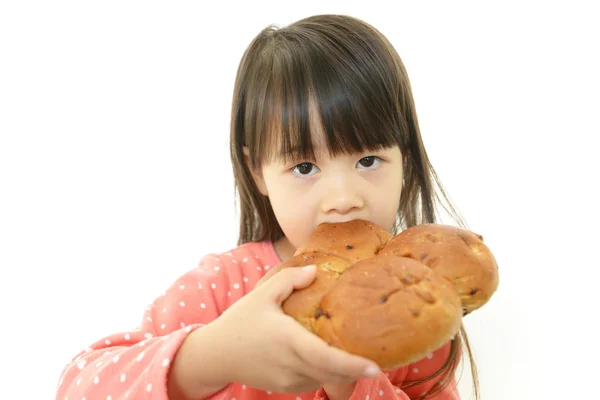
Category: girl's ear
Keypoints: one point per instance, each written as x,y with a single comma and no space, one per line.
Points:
256,174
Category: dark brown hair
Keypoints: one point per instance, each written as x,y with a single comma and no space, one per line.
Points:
343,73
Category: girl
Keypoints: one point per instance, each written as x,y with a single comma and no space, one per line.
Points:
323,129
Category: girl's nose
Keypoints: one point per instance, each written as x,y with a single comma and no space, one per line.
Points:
341,196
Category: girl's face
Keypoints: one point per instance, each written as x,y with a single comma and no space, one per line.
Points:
306,193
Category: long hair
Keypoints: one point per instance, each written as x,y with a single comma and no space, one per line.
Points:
349,73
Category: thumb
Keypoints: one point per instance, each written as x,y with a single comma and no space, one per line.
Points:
282,284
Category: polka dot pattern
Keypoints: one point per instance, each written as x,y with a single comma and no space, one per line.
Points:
135,364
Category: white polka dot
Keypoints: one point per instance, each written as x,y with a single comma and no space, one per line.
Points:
116,359
107,341
415,370
199,285
367,398
188,329
109,397
387,374
243,386
236,285
78,381
182,324
81,364
149,319
298,398
165,362
217,268
245,259
398,390
165,309
381,392
162,326
229,294
122,377
127,394
430,356
181,287
245,279
182,303
234,261
267,267
259,268
140,356
98,364
269,392
127,336
96,380
202,305
212,285
149,387
88,349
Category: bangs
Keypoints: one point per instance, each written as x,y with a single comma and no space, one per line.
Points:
346,93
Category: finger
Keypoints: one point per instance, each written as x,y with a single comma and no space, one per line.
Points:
280,286
310,372
331,361
323,376
326,377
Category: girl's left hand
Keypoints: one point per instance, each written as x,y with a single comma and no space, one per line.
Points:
341,391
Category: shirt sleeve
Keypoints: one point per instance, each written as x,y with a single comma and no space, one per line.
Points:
135,364
394,384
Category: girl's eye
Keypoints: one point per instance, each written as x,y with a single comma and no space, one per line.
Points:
304,169
369,161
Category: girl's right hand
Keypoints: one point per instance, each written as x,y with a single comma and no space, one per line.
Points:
256,344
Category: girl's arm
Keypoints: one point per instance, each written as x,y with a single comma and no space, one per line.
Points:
137,363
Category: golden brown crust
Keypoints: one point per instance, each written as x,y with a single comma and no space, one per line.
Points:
303,303
354,240
456,254
392,310
391,299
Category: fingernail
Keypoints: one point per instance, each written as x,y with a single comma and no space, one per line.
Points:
372,371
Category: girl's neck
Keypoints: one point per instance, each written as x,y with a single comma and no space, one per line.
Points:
284,249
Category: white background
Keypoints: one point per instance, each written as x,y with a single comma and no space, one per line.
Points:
115,176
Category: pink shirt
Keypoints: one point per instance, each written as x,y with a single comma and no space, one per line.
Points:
134,364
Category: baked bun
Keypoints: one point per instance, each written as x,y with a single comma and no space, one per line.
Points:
454,253
390,299
354,240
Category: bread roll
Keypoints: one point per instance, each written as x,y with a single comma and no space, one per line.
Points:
392,310
454,253
390,299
